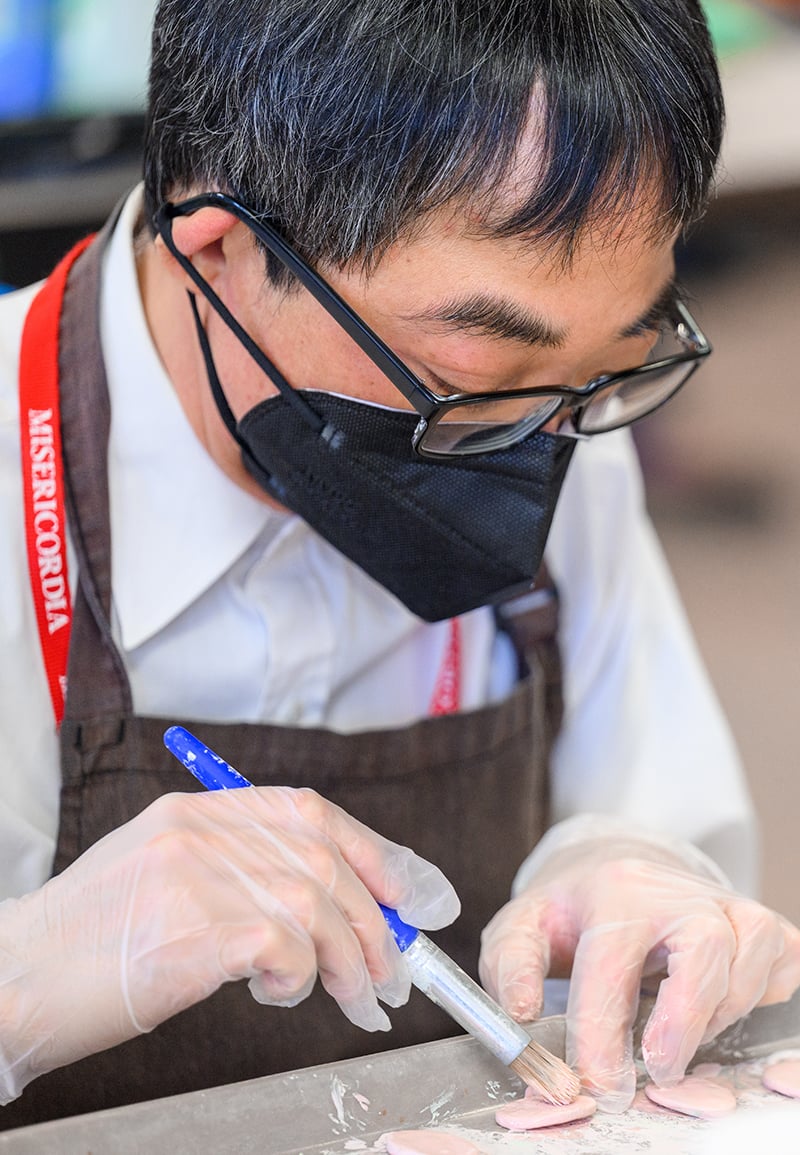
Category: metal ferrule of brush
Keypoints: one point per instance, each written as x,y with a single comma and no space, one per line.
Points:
436,975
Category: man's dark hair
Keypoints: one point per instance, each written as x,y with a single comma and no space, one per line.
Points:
345,121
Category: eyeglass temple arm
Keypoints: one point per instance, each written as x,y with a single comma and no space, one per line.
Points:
276,377
368,341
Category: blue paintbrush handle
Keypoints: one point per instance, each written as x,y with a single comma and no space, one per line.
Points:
216,774
404,934
207,767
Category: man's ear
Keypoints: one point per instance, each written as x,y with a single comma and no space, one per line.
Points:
205,238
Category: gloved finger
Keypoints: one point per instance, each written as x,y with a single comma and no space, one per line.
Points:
396,876
344,975
271,990
322,860
279,958
295,865
784,978
700,951
515,958
387,971
295,895
340,959
759,943
601,1008
418,890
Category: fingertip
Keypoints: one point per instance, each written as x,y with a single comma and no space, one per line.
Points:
665,1070
613,1087
272,991
668,1046
367,1015
522,1001
612,1101
604,1064
352,988
395,991
424,896
431,909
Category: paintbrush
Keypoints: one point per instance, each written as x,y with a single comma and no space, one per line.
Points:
432,971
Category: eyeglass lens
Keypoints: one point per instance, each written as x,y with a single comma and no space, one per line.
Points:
633,397
485,425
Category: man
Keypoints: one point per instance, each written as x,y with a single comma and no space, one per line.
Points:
318,402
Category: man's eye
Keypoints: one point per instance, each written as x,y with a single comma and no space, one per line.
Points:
650,333
446,389
442,387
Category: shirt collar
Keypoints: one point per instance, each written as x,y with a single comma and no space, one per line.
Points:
177,521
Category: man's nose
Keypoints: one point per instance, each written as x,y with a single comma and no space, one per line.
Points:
563,417
563,422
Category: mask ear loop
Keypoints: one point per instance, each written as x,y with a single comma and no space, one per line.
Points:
254,467
164,226
225,411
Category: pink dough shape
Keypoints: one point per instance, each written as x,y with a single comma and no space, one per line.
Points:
784,1078
431,1142
530,1113
698,1097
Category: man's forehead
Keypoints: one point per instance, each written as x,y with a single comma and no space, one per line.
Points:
448,279
613,237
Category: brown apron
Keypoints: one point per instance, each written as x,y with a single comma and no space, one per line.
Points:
467,791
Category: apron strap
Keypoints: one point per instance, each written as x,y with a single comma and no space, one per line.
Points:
86,422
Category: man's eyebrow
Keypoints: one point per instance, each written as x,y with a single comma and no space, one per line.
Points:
661,310
493,317
507,321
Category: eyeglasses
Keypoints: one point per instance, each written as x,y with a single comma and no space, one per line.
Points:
466,424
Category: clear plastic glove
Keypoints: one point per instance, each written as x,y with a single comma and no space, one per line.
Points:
270,884
611,910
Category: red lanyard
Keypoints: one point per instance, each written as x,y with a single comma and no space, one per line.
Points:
43,476
447,691
43,483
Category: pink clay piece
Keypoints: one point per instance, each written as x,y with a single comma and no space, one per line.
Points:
698,1097
784,1078
432,1142
530,1113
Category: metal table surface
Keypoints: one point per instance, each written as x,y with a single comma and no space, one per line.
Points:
342,1107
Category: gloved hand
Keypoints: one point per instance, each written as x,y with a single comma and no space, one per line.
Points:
271,884
612,909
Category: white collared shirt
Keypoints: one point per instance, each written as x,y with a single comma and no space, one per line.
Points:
228,610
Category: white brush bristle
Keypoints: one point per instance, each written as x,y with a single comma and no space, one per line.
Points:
548,1075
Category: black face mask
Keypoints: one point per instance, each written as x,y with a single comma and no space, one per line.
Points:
443,537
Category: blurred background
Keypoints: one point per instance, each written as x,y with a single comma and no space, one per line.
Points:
721,462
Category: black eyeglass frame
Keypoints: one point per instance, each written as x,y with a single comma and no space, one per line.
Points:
430,406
